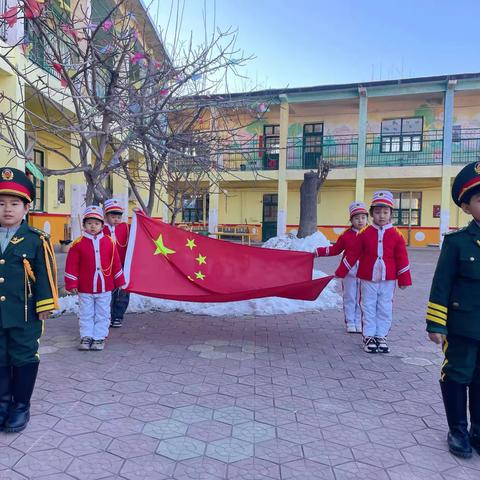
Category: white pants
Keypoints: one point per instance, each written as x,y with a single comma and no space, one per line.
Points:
94,314
377,306
351,300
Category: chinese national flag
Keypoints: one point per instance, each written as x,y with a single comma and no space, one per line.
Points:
167,262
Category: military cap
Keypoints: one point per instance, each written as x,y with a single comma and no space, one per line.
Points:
357,207
466,183
15,182
382,198
94,212
112,206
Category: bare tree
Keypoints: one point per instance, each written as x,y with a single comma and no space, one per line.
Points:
116,98
312,182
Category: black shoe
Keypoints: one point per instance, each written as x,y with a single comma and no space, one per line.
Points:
382,345
455,401
474,406
23,381
370,345
5,394
116,323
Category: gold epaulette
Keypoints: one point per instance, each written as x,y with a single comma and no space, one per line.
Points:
38,231
51,265
363,229
398,231
77,240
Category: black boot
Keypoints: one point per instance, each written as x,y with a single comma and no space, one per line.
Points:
5,393
474,405
455,401
23,381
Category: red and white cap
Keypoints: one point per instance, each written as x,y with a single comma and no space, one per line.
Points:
93,211
382,198
112,206
357,207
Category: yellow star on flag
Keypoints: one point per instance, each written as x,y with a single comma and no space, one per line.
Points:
161,248
201,259
191,243
200,275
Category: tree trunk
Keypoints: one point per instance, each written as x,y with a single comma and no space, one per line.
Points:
308,204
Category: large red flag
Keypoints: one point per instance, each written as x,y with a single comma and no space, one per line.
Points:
167,262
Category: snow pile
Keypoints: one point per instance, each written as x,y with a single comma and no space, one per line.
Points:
291,242
328,299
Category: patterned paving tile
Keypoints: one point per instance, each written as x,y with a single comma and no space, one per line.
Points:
163,429
192,414
278,451
181,448
253,432
306,470
229,450
209,431
253,469
233,415
148,467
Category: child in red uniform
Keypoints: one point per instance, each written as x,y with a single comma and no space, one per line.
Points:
93,269
382,255
351,284
118,231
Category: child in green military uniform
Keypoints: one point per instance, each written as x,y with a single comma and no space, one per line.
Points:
453,317
27,294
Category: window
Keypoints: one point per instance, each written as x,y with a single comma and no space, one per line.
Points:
271,135
38,204
407,208
312,144
402,135
193,208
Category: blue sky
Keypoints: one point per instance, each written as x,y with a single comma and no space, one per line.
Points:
315,42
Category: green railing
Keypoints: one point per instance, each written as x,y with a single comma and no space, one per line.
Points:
341,151
428,152
466,146
248,155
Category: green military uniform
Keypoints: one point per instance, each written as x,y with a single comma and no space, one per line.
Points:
27,288
454,304
454,311
23,295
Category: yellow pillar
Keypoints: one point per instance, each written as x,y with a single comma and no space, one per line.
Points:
282,168
214,195
362,144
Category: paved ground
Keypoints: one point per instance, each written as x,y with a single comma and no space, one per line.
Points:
284,397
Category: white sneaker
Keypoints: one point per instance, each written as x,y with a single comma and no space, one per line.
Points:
382,345
351,328
358,328
370,345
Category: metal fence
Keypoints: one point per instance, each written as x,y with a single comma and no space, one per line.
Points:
341,151
430,151
466,146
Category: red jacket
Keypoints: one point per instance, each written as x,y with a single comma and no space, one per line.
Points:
343,244
119,233
93,265
381,253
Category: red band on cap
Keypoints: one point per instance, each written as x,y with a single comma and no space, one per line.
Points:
15,189
467,186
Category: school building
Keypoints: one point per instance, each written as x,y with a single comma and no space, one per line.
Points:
410,136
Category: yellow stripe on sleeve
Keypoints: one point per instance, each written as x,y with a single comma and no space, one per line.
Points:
436,320
44,302
438,314
45,308
437,306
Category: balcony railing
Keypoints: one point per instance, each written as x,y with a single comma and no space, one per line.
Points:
428,152
466,146
341,151
249,155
